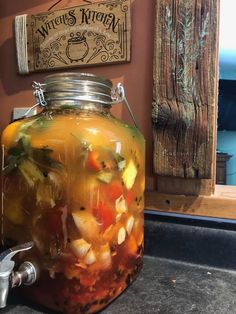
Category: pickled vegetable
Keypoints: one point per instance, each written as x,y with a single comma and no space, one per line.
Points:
73,182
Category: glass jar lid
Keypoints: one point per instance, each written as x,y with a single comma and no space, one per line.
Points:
77,86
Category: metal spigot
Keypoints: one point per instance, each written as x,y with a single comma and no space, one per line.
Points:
26,274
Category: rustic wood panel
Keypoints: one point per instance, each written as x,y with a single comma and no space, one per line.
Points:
185,88
219,205
173,185
90,34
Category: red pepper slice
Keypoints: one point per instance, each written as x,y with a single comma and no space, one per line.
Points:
113,190
93,163
104,214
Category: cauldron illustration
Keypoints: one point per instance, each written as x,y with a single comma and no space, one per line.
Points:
77,47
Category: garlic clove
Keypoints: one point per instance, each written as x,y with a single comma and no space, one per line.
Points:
118,217
121,235
121,206
129,224
80,247
105,255
90,258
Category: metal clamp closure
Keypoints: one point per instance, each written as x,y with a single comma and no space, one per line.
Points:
39,94
117,96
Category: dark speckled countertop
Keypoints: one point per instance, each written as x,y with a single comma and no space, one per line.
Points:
169,287
189,267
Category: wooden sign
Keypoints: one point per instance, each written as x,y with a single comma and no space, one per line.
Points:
84,35
185,88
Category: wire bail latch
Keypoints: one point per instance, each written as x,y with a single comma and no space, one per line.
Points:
39,96
118,96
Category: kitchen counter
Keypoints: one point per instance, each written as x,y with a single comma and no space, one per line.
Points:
177,284
169,287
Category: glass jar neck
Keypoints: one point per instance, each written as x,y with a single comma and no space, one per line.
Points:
59,105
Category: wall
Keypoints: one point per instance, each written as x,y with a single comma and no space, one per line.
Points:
226,143
15,90
227,53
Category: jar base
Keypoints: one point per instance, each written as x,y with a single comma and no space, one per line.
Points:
84,302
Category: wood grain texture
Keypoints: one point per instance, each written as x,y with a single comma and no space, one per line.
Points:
174,185
85,35
219,205
185,88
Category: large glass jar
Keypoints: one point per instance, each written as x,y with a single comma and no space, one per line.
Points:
73,182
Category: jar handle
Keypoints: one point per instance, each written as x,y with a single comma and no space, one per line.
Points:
119,96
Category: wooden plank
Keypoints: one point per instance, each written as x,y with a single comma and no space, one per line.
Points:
185,88
173,185
227,191
219,205
90,34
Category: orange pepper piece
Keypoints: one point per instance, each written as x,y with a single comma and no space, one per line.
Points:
92,161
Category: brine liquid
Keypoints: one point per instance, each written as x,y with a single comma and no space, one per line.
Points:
73,183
